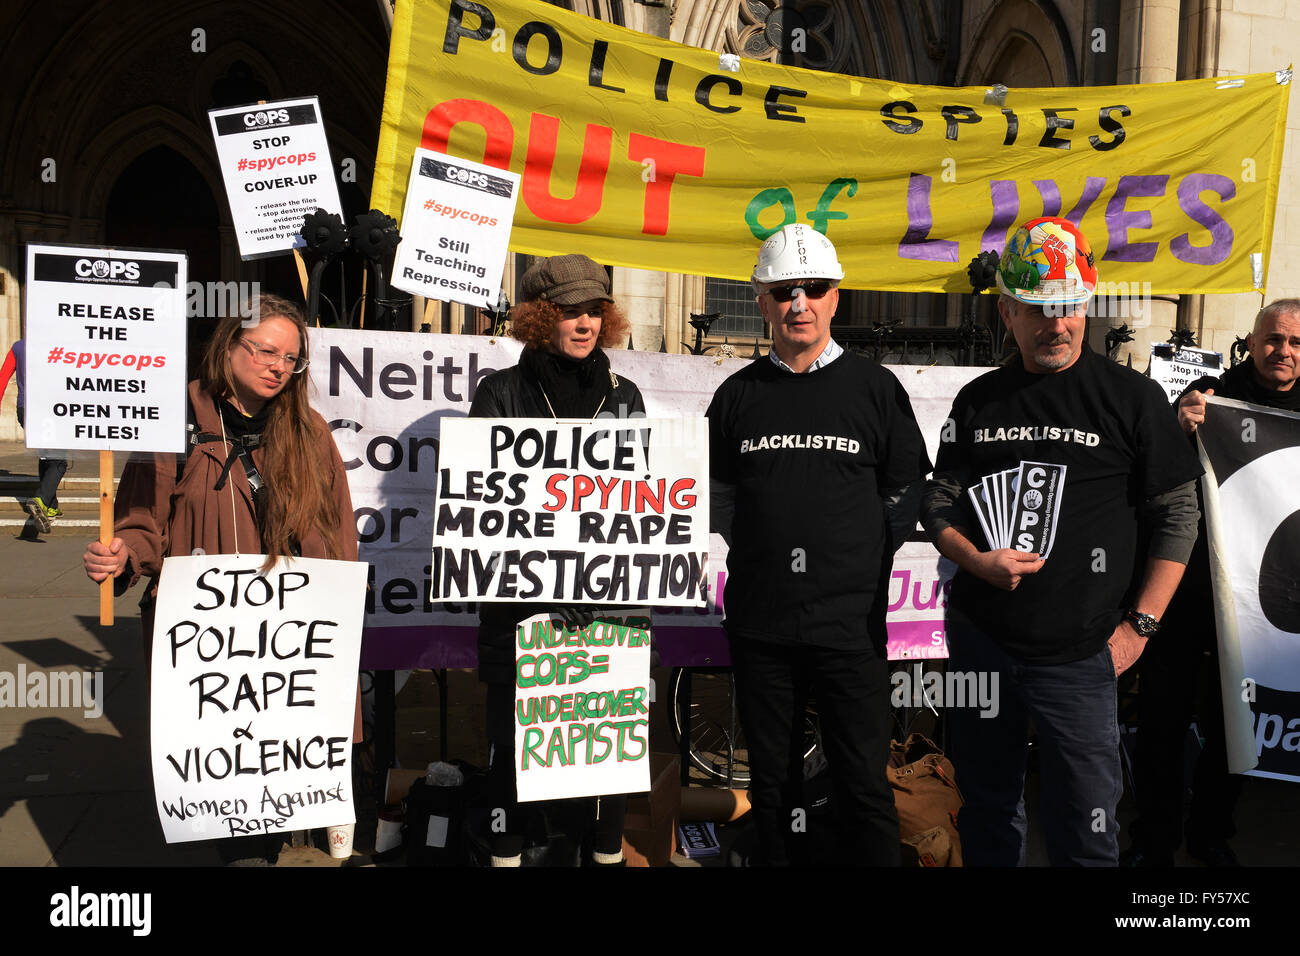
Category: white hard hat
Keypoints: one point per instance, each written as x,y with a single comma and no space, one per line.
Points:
797,251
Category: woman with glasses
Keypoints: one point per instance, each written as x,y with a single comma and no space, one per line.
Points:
261,475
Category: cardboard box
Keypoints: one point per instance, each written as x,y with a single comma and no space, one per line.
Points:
650,832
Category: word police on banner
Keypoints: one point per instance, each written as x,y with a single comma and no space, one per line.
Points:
455,229
582,707
610,512
641,152
254,682
275,162
1176,368
105,348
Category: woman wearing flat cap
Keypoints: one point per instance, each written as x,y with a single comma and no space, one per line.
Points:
565,316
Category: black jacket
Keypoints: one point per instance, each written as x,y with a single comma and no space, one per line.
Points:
516,392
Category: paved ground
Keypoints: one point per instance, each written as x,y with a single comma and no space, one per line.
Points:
76,790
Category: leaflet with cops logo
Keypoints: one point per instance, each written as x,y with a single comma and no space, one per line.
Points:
455,229
276,165
105,348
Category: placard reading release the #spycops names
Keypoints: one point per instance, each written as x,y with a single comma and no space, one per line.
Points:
105,349
455,229
275,161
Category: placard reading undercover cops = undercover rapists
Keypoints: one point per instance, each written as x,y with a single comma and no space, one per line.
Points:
455,229
275,162
105,348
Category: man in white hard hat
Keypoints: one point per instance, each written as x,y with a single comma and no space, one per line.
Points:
1060,587
816,448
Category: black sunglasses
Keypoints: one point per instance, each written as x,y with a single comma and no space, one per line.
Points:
813,290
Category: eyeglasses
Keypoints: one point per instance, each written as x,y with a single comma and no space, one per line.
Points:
270,357
813,290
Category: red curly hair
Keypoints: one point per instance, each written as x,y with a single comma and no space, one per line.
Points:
533,323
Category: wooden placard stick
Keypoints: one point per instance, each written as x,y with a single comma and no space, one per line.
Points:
106,532
302,276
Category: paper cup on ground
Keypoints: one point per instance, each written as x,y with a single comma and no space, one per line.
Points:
340,840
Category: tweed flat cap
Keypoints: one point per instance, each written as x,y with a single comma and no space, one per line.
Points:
565,280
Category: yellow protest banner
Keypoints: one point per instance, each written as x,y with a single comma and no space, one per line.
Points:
641,152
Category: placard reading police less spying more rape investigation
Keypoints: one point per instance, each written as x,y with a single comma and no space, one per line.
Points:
253,694
455,228
610,512
105,348
275,162
582,706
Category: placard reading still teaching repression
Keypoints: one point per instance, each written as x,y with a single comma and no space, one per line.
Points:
610,512
105,348
253,694
582,706
641,152
275,162
455,229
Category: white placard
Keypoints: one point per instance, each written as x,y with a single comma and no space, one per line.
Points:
275,161
582,707
1175,369
253,694
455,228
610,512
105,348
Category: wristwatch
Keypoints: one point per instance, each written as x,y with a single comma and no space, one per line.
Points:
1145,624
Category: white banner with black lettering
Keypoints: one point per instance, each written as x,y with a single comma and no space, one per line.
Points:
253,694
610,512
1252,457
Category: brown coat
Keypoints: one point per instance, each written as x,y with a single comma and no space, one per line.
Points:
155,517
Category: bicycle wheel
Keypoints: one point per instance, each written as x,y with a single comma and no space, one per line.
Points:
709,725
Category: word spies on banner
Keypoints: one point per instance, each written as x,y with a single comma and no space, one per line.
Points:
105,348
275,162
253,694
641,152
610,512
1252,456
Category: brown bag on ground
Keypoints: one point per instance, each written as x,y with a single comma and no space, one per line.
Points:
927,800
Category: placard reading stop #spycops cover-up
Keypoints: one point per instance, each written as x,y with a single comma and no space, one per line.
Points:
105,348
253,694
582,706
455,229
1176,368
275,162
610,512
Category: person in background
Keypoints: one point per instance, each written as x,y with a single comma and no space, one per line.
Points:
43,507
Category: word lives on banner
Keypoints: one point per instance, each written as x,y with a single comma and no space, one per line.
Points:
1251,456
253,691
582,706
642,152
610,512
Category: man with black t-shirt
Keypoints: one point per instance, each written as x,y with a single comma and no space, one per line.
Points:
1056,628
1170,668
815,457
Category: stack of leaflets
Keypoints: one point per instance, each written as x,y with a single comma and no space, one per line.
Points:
1018,508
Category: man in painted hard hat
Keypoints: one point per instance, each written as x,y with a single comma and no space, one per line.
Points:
813,451
1100,517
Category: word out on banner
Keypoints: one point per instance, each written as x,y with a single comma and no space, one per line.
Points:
640,152
610,512
275,162
1253,454
254,683
455,230
105,348
582,707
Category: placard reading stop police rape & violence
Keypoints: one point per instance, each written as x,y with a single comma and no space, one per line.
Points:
105,348
253,694
275,162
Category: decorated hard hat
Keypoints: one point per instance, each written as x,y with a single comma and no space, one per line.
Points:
796,251
1048,260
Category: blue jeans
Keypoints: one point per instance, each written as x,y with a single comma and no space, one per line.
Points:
1073,709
